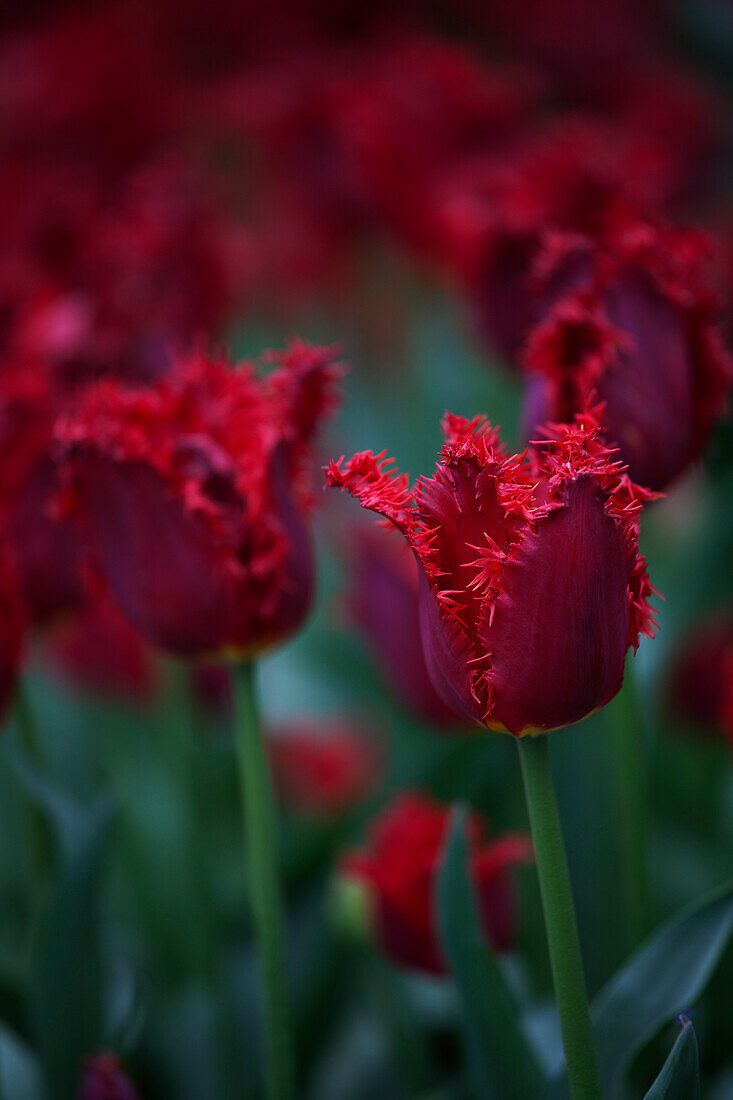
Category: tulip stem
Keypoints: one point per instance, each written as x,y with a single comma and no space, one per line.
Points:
560,923
260,826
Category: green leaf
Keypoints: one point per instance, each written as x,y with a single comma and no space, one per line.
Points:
67,1002
502,1063
680,1075
661,980
20,1073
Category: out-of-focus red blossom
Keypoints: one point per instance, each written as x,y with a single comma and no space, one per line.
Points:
399,869
629,319
104,1078
46,550
88,82
576,175
385,604
112,287
585,50
532,585
12,624
194,497
363,128
99,651
700,678
323,769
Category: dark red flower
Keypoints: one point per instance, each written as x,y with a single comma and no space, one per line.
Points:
385,603
630,320
700,678
11,630
98,650
532,584
399,869
45,549
493,213
323,769
105,1079
194,496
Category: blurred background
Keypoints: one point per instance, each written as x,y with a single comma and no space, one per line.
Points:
226,175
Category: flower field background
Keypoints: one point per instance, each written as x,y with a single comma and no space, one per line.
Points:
240,246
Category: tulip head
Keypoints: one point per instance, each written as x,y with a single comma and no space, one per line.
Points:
194,498
532,584
398,873
629,320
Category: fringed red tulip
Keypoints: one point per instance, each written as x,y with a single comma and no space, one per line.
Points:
194,497
399,870
532,585
385,604
323,770
630,320
105,1079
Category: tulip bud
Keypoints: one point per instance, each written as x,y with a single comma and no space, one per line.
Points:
398,871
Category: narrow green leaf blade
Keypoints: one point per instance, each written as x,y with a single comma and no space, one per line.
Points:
503,1065
666,976
680,1075
67,984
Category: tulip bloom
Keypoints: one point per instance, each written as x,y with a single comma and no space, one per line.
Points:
701,677
630,320
323,771
399,870
385,604
105,1079
532,585
194,499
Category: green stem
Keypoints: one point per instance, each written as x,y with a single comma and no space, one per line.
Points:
262,851
560,924
629,789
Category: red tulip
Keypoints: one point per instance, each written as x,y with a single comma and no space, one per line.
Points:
701,676
399,869
385,603
629,320
533,587
105,1079
493,212
323,769
194,498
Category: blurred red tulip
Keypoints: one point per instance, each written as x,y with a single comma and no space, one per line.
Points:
323,769
399,869
194,497
385,603
532,585
104,1079
700,679
630,320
